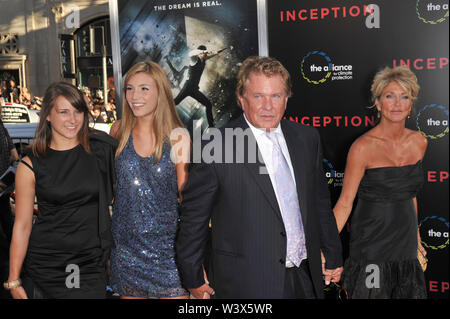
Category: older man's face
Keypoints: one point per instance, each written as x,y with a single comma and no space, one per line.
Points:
264,101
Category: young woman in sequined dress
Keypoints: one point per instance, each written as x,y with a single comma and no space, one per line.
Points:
148,184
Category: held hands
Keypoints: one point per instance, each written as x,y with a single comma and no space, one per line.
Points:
204,291
333,275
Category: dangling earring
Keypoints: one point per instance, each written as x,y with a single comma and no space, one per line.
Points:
409,114
378,114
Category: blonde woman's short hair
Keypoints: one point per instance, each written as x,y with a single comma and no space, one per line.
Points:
402,75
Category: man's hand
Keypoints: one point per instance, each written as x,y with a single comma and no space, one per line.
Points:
333,275
202,292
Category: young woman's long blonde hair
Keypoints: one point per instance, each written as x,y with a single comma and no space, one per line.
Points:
165,118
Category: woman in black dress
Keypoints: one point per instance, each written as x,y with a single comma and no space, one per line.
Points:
384,167
64,252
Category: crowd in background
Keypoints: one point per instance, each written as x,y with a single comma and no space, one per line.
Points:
101,112
10,92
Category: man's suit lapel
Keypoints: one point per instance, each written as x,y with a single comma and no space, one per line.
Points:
265,184
296,147
257,170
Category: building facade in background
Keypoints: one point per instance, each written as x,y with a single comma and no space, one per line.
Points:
42,41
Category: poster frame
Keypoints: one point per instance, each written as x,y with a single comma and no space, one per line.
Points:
115,43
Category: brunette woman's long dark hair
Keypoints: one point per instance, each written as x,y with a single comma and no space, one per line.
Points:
43,135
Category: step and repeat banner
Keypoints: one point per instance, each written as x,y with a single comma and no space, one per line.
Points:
333,50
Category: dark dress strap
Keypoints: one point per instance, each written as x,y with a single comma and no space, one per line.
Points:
28,165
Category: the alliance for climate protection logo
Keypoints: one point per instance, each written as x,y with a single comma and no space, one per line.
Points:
434,232
432,11
317,67
334,178
432,121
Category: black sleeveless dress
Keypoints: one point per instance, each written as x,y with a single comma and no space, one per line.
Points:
383,260
67,249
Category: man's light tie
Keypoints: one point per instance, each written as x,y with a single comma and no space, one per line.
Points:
290,209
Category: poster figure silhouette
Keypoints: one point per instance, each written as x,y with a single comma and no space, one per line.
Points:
191,88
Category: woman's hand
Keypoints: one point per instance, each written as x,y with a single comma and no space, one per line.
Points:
422,250
19,293
419,240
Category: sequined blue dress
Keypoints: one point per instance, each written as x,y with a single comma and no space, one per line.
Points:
144,225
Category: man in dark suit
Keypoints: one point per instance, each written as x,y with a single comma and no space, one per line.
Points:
264,190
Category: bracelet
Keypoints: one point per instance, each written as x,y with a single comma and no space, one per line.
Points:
12,284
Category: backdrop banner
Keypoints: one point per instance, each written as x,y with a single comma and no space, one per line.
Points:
333,50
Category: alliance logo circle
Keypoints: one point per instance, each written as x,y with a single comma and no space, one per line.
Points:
421,130
330,67
442,19
441,219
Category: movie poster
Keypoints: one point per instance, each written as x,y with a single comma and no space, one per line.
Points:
200,45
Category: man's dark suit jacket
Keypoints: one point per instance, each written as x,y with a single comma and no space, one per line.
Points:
247,232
